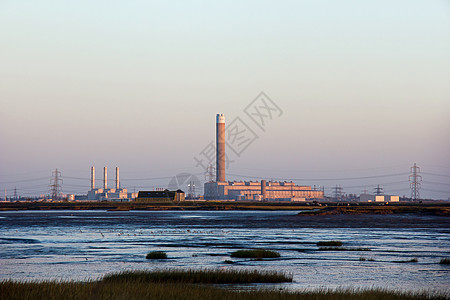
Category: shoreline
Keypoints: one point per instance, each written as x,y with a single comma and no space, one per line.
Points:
307,209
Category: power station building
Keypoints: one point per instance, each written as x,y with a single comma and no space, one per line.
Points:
251,190
99,194
260,190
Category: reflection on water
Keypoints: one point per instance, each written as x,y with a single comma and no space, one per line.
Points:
87,244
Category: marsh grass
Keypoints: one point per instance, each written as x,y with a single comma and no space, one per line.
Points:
362,258
156,255
445,261
329,243
342,249
206,276
164,291
255,253
412,260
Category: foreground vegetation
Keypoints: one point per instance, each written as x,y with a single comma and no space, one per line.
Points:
130,289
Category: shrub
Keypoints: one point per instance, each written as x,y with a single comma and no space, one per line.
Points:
329,243
156,255
445,261
255,253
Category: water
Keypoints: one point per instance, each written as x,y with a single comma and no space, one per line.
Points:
81,245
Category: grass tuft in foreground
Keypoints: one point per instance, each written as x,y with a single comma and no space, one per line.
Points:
255,253
164,291
156,255
214,276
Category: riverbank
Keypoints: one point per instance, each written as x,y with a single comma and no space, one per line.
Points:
433,210
441,208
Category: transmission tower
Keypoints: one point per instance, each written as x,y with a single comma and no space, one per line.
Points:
191,192
337,192
55,184
415,180
209,174
379,190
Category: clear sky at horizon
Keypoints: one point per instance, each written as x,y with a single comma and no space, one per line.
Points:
363,86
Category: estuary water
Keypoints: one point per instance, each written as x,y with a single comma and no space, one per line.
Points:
82,245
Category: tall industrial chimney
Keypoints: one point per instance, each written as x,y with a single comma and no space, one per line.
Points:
117,178
92,178
105,178
220,147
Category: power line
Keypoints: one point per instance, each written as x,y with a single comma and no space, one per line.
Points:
384,184
434,174
327,179
24,180
437,191
141,179
437,183
77,178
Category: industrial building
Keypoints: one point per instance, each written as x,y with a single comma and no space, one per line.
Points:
251,190
378,198
160,196
260,190
105,193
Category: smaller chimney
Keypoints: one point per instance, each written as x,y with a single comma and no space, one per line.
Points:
117,179
105,178
92,178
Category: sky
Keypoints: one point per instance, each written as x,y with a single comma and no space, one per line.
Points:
361,89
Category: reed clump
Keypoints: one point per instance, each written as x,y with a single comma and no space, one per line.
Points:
362,258
343,249
156,255
329,243
337,246
206,276
255,253
412,260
